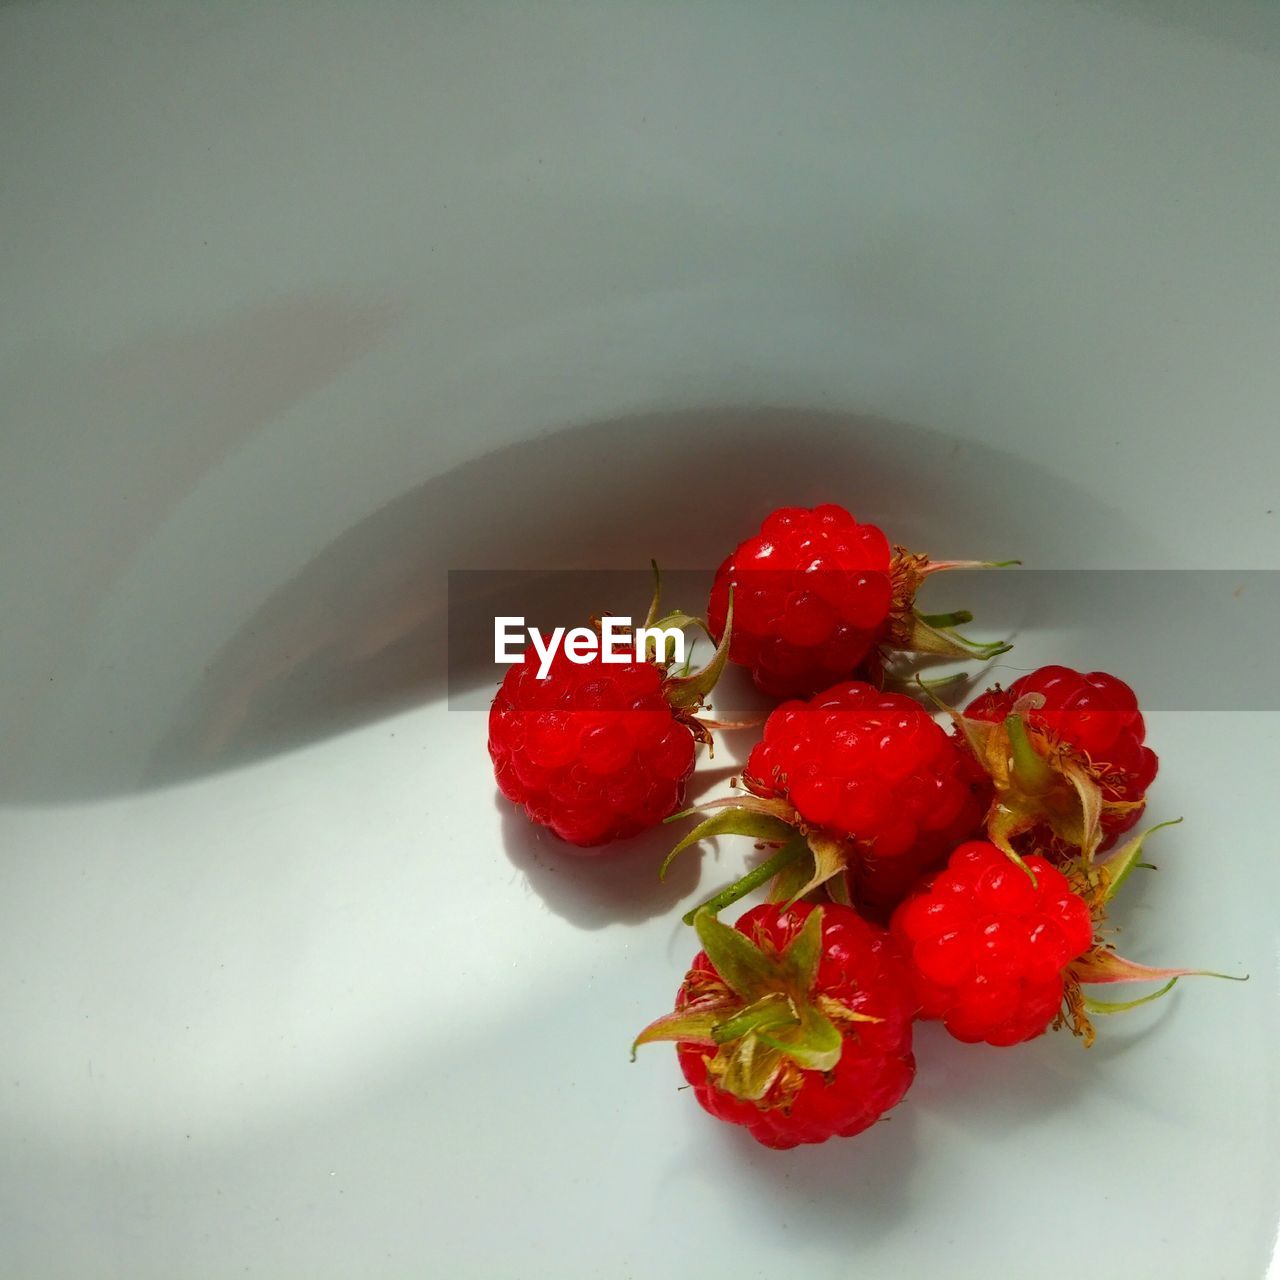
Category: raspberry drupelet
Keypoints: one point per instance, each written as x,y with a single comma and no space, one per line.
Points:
1001,953
594,751
877,793
989,948
818,594
601,750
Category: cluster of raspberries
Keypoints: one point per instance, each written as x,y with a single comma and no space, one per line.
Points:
913,871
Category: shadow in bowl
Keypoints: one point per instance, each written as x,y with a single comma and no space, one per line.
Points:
361,631
842,1190
617,884
594,888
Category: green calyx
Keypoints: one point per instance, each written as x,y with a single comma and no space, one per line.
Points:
933,633
1098,884
1027,767
1102,965
921,635
1034,780
1120,864
1123,1006
957,618
806,859
769,822
685,690
689,692
770,1013
676,620
762,1022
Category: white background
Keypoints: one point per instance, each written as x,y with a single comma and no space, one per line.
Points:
283,991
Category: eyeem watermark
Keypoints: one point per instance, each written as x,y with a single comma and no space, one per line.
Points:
615,641
1082,618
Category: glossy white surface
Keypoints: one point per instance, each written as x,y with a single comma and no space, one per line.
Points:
281,281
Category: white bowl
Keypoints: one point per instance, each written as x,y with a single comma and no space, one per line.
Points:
305,306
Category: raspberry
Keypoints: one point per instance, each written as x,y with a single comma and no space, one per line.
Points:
817,593
595,751
1087,729
989,949
873,770
801,1035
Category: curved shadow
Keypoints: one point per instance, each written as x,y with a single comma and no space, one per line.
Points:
595,888
361,631
993,1092
845,1190
592,888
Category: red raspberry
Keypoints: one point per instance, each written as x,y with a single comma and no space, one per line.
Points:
1089,722
989,949
873,769
818,1007
595,751
817,592
813,598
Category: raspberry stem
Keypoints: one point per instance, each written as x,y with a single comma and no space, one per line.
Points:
752,880
957,618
